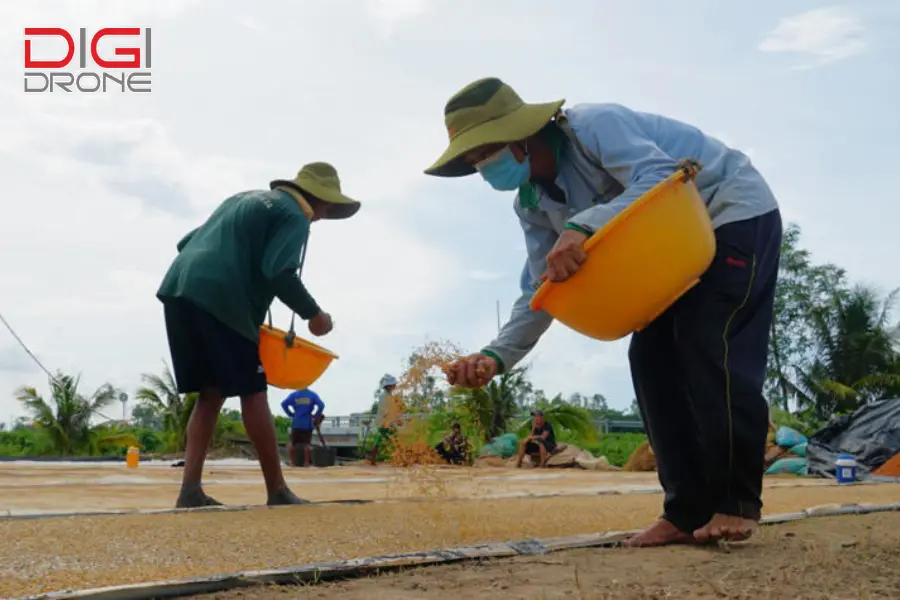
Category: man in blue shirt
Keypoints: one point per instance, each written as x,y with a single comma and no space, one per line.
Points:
698,369
305,408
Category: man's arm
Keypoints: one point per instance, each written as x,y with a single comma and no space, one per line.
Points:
318,406
281,262
287,405
525,326
614,135
290,290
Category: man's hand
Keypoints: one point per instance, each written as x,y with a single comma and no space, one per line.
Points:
473,371
317,420
320,324
566,256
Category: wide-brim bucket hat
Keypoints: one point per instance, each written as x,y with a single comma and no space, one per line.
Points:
487,111
320,180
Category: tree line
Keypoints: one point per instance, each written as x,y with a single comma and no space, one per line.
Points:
833,348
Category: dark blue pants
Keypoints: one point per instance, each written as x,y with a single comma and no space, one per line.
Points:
698,373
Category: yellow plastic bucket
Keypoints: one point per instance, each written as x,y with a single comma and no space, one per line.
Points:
638,265
290,362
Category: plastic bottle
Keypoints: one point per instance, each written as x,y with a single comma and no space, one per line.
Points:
133,457
845,469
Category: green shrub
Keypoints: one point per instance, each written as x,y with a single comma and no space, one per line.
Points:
616,447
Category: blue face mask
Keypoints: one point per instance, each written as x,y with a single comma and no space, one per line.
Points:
504,172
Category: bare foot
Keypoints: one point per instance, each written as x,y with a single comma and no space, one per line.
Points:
728,528
194,497
661,533
285,497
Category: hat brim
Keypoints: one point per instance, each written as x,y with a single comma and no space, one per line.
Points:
521,123
339,205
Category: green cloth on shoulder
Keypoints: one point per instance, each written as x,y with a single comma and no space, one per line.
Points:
556,139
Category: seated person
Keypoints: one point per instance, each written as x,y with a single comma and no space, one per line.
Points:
455,447
541,442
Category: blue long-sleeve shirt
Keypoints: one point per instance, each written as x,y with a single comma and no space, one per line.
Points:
301,406
625,154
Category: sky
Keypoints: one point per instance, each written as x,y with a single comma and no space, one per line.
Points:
98,188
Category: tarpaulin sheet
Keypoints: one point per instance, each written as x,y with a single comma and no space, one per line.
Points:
871,435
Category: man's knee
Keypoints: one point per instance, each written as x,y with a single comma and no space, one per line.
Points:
255,398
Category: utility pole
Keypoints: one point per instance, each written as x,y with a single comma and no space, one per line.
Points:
123,398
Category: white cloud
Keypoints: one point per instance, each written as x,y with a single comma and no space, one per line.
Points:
98,189
390,14
821,35
84,13
482,275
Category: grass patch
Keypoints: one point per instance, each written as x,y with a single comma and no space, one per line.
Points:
616,447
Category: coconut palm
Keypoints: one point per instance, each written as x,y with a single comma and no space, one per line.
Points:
492,406
576,420
66,418
857,361
160,392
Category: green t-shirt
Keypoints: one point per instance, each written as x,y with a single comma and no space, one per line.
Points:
230,266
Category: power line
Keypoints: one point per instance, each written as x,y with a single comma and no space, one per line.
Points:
25,348
50,375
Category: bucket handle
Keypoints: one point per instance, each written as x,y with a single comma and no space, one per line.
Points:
291,335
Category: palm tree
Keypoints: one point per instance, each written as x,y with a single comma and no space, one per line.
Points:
563,415
492,406
66,418
857,360
160,393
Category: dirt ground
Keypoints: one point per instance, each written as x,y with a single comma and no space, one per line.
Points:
833,558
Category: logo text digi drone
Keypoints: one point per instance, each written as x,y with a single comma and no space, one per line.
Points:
50,63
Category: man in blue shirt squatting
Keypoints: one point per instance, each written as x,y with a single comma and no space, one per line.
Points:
698,369
305,408
216,295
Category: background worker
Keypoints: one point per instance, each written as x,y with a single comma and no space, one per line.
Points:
454,448
305,409
386,417
541,442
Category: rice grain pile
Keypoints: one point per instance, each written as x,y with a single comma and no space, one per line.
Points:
44,555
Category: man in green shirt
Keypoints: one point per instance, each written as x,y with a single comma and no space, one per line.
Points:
216,295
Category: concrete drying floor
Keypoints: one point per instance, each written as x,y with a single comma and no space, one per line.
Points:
35,488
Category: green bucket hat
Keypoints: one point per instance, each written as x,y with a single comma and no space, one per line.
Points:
321,181
485,112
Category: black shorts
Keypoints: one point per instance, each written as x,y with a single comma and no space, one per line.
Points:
207,353
301,436
533,448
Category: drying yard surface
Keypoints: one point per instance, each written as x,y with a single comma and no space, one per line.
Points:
36,488
41,555
839,558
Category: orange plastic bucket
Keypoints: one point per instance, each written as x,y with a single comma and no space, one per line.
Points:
291,362
638,265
